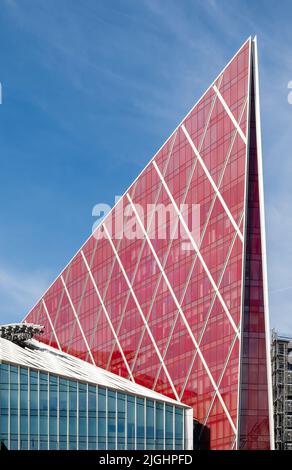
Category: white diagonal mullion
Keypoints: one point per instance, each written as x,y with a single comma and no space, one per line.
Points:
77,319
137,267
210,309
221,377
234,443
176,225
219,195
197,250
229,253
38,314
103,298
81,300
230,114
59,304
172,236
52,326
106,314
140,311
195,258
181,312
226,262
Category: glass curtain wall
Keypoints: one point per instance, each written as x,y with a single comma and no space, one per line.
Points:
39,410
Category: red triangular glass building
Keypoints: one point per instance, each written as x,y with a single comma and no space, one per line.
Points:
185,315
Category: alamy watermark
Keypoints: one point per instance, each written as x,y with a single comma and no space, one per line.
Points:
157,221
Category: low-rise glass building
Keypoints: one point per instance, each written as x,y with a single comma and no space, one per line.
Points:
52,400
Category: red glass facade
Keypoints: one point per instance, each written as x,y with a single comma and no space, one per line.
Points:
189,323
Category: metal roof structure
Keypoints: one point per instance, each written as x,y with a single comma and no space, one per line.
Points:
20,332
42,357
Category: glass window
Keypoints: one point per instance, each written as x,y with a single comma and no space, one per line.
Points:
149,424
23,408
111,419
159,426
121,421
33,403
82,423
168,427
14,407
140,423
178,428
72,415
130,422
91,417
101,418
53,441
4,391
43,410
63,411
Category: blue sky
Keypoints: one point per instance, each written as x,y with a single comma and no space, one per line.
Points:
91,89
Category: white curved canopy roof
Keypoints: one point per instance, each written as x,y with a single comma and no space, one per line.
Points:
45,358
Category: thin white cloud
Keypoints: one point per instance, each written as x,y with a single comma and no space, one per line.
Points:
19,291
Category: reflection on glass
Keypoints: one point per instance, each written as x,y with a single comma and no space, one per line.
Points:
159,426
121,421
111,419
33,403
13,407
91,417
178,428
63,409
131,422
150,424
72,415
169,427
43,411
82,417
101,418
140,423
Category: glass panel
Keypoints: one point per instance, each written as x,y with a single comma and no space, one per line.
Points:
44,400
101,418
53,444
82,417
13,407
72,415
23,408
4,391
150,424
121,421
33,402
140,424
91,417
131,422
111,419
159,426
178,428
63,410
168,427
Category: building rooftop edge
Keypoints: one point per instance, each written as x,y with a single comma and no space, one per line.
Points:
42,357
